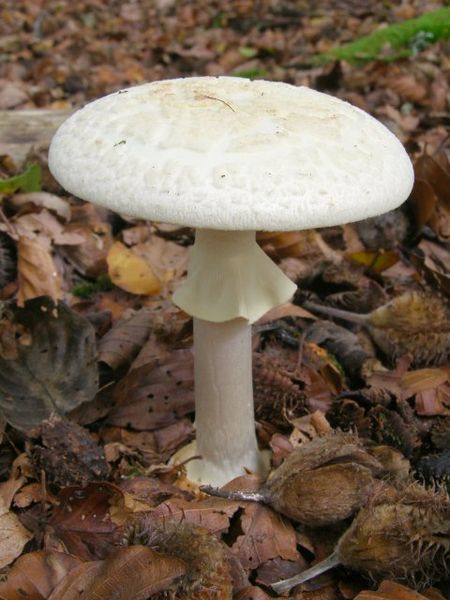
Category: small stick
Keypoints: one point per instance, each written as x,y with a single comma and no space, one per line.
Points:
330,311
241,495
287,584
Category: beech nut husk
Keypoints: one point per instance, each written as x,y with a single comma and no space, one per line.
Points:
324,481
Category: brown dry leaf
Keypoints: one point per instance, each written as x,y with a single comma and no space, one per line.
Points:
408,87
277,569
156,394
121,344
89,256
430,194
424,201
35,575
82,520
252,593
133,573
434,401
390,590
37,272
285,310
434,262
433,594
44,227
44,200
13,537
130,272
11,95
152,490
213,514
263,533
8,490
29,494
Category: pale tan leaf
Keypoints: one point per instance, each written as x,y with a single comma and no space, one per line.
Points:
13,537
45,200
37,272
35,575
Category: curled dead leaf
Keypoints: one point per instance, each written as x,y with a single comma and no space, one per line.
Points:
42,199
133,573
38,275
122,343
36,574
89,256
13,537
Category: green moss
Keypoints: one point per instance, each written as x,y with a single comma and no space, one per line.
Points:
394,41
89,288
252,73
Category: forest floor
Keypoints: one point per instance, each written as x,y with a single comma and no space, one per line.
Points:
96,374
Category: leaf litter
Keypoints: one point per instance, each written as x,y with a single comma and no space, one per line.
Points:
96,367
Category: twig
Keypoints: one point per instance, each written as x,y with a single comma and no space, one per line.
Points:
239,495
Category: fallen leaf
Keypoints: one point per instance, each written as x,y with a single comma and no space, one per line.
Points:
28,181
121,344
277,569
82,520
44,200
264,533
130,272
89,255
34,575
29,494
390,590
133,573
212,513
45,228
432,260
156,394
11,95
167,260
13,537
377,261
38,275
55,368
252,593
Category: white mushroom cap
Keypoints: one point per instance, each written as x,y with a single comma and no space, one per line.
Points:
233,154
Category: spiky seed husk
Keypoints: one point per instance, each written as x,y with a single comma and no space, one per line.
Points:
208,576
324,481
402,535
415,323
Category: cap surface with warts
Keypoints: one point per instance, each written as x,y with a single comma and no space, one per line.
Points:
233,154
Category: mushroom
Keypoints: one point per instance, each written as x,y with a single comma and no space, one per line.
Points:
230,156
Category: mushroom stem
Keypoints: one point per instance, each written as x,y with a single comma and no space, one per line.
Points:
224,416
231,283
